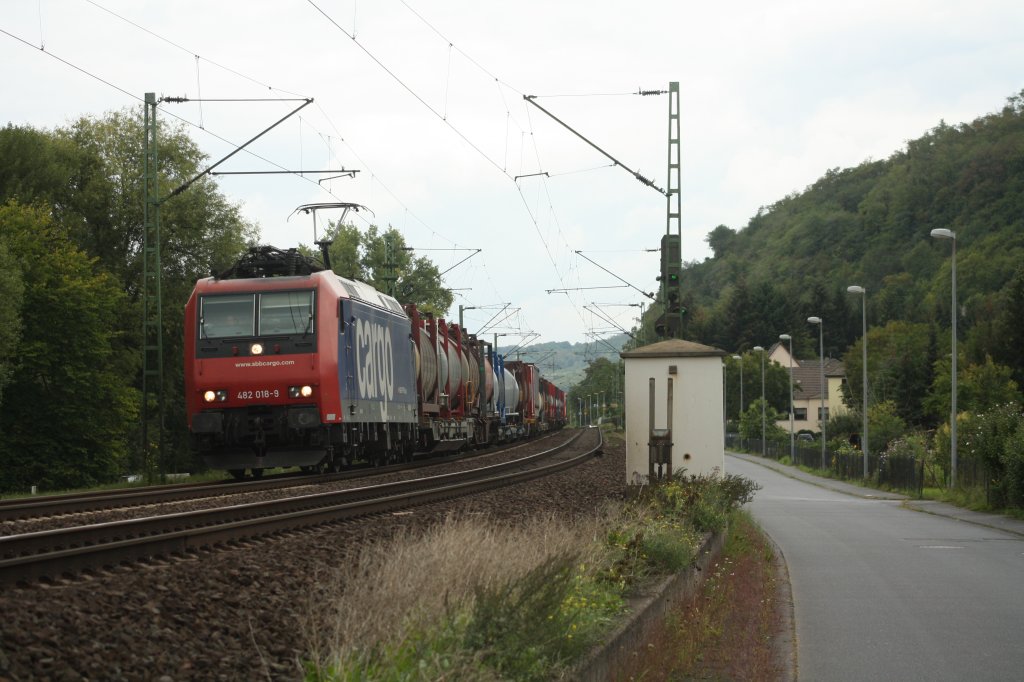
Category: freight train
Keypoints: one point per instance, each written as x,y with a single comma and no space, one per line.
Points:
289,365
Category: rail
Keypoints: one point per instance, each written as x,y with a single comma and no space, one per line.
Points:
57,553
101,500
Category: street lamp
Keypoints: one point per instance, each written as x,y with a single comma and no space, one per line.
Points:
943,233
737,357
854,289
725,403
824,386
792,437
759,348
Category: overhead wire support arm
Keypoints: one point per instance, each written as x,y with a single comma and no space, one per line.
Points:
597,311
475,251
527,337
566,291
650,183
344,173
488,326
595,337
305,103
648,295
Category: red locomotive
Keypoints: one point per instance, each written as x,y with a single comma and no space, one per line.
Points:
288,364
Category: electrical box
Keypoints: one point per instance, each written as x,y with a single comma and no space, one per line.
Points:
660,454
674,411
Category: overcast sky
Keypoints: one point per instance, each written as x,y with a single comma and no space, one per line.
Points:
425,99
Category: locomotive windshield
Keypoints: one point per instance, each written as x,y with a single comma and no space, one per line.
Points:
226,316
275,313
286,312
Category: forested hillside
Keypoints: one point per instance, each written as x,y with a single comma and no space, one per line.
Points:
870,226
566,363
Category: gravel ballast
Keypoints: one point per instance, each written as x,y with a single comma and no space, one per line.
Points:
237,612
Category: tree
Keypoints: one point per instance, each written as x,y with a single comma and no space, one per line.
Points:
751,422
89,177
1010,327
602,376
201,233
719,239
382,260
979,388
776,384
884,425
75,412
899,368
11,291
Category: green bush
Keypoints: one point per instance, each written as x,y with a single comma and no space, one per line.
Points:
521,628
987,436
704,501
1012,461
884,425
667,550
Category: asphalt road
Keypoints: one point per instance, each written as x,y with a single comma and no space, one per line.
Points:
882,592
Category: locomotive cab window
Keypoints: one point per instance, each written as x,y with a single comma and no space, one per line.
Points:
286,312
226,316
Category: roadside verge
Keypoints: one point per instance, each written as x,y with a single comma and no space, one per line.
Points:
647,611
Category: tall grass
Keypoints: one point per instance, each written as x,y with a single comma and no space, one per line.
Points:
476,599
446,582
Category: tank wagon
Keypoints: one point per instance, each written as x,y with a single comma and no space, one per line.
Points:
289,365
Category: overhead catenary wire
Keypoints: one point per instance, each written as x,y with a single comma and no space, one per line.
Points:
188,51
201,126
291,95
408,89
544,217
443,116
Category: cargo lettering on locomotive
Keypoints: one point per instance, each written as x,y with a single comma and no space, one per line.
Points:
375,363
376,371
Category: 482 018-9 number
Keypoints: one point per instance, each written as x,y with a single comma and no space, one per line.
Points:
259,394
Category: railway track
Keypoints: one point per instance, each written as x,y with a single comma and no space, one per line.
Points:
76,503
53,554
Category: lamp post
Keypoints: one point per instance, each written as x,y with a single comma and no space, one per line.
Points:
792,436
854,289
725,402
740,359
761,349
943,233
824,386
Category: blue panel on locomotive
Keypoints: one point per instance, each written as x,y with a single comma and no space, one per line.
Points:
376,366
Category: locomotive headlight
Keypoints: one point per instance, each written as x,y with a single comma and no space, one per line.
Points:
219,396
300,391
209,396
256,349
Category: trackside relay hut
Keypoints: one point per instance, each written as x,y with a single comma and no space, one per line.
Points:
673,410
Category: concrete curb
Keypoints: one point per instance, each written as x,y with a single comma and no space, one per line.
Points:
785,643
646,613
